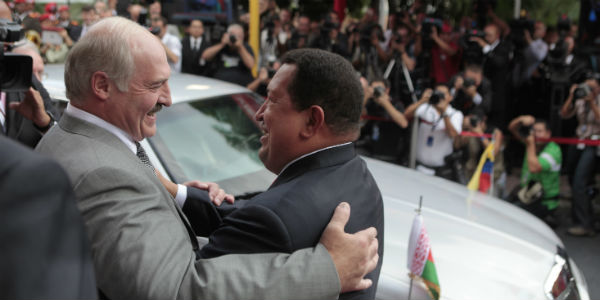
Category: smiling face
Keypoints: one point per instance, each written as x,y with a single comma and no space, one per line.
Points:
280,122
134,111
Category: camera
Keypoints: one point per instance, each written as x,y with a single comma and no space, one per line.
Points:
378,91
271,72
468,82
232,39
582,91
474,120
15,70
154,30
525,131
436,97
471,49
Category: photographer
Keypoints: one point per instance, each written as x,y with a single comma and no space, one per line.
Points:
400,52
272,40
234,57
474,147
170,43
330,39
538,192
445,58
27,116
583,101
369,55
496,68
259,85
382,137
439,125
471,91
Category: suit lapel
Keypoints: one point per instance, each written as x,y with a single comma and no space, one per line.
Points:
322,159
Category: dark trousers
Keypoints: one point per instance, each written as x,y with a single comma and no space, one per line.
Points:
580,168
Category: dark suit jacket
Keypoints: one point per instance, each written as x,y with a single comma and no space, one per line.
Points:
190,59
496,68
45,250
21,129
294,211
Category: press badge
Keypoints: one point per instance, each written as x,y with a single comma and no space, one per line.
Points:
429,141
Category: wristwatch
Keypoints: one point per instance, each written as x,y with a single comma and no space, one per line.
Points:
50,124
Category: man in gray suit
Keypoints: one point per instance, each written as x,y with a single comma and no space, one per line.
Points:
142,244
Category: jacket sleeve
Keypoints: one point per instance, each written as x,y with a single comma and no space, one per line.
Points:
250,229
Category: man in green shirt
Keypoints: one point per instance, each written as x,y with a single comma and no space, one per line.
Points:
541,163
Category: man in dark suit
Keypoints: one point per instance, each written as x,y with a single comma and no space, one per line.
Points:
45,251
496,67
27,116
192,47
310,120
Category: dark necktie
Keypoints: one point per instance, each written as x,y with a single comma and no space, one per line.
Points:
141,154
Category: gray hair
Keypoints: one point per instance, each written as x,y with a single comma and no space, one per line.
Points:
106,47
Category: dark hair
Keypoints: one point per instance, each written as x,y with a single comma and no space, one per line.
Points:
88,8
328,80
543,121
385,82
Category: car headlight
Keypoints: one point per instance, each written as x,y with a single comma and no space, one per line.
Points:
561,284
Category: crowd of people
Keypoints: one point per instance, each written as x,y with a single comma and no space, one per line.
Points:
481,75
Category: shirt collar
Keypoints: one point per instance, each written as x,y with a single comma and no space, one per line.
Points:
88,117
311,153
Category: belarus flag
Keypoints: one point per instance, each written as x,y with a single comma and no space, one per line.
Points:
420,260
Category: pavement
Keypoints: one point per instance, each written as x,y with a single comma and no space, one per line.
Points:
583,250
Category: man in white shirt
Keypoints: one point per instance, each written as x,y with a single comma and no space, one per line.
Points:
439,125
170,43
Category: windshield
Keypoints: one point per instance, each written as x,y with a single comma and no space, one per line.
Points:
213,140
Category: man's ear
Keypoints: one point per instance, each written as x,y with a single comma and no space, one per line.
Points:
101,85
315,119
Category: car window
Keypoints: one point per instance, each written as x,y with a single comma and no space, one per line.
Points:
213,140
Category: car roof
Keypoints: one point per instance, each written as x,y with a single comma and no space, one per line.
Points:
184,87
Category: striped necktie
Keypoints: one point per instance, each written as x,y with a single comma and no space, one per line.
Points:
141,154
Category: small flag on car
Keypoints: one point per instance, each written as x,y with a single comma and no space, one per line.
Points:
482,178
420,258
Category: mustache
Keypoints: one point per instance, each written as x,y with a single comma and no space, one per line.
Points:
156,108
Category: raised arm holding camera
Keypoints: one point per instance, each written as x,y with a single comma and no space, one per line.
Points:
234,57
538,192
584,102
471,91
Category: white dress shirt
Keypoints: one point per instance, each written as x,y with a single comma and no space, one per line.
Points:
174,44
123,136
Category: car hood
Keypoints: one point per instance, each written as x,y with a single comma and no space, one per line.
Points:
483,247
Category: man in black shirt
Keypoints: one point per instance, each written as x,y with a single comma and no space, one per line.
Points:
233,56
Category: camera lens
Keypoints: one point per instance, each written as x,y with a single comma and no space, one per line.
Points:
232,39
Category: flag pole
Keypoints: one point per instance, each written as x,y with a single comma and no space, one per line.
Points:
491,193
418,210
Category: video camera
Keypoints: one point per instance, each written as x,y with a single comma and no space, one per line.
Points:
15,70
517,31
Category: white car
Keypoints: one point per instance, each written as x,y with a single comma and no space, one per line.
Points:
483,247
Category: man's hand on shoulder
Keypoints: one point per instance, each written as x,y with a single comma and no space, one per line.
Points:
216,194
354,255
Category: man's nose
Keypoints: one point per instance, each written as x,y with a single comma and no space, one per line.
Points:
260,112
165,95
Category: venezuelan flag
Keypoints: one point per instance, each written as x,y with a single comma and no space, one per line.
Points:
482,178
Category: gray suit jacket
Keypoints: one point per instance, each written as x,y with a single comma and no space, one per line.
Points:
140,246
